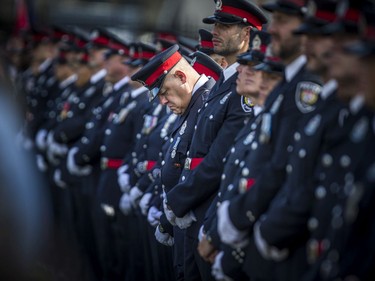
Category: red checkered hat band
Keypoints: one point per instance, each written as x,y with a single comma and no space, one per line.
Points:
242,14
207,44
165,66
202,69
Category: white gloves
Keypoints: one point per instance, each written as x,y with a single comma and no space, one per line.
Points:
186,220
201,233
268,251
153,216
123,178
228,233
183,222
73,168
217,270
135,195
41,139
41,163
58,180
144,203
125,204
163,237
171,217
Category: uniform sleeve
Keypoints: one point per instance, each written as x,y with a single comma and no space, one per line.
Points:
245,209
70,130
285,224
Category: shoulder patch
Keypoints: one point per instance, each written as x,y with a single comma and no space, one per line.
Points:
246,104
307,95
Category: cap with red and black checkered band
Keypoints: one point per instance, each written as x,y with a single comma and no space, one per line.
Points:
153,73
292,7
237,11
204,64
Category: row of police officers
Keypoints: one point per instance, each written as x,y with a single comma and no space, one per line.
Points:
247,157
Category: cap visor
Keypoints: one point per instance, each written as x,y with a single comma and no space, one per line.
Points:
360,48
274,7
333,28
221,19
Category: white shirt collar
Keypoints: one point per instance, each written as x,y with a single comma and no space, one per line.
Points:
121,83
295,66
257,109
98,75
44,65
229,71
328,88
356,103
71,79
201,81
135,93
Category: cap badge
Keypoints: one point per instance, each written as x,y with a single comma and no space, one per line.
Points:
311,8
219,4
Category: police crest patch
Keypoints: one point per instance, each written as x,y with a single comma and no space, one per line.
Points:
246,104
307,95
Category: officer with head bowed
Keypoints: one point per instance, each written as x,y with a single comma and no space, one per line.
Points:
179,86
220,119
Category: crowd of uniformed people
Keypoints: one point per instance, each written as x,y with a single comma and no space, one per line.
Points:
246,156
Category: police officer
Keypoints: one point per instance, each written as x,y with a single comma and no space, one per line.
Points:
83,156
248,85
181,88
264,168
206,46
220,119
347,232
305,149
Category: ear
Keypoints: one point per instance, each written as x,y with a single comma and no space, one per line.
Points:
181,75
246,32
223,62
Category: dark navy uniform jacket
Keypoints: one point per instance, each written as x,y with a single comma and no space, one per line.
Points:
290,101
309,139
233,162
77,110
221,118
181,137
339,167
149,141
150,180
120,137
41,90
287,215
352,243
89,143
